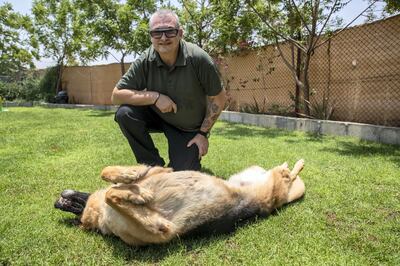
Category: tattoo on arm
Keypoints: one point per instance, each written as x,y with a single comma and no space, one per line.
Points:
212,113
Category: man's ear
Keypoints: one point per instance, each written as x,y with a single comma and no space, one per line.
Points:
180,32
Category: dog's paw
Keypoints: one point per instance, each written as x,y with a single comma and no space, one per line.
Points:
137,199
120,174
162,227
139,195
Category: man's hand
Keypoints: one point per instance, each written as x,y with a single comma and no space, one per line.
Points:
165,104
202,144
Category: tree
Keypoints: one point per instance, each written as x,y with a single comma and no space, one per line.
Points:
219,26
197,18
305,25
62,34
392,6
17,49
122,27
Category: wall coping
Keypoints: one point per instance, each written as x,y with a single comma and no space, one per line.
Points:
382,134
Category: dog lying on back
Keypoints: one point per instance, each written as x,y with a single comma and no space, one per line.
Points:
154,204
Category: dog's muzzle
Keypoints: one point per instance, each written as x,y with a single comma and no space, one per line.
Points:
72,201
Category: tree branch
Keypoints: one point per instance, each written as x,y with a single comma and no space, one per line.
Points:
351,22
296,43
301,17
325,23
291,68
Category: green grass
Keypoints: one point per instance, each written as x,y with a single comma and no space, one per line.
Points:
350,214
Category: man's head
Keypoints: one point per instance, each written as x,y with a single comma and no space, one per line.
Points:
165,31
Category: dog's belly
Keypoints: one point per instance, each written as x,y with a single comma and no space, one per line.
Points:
253,175
189,199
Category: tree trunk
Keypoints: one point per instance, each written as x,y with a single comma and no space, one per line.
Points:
59,77
122,64
298,74
306,82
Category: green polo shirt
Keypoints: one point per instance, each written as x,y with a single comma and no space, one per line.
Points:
193,77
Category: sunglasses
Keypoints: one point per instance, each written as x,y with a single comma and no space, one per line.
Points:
169,33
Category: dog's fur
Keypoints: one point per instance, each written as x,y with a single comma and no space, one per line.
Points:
154,204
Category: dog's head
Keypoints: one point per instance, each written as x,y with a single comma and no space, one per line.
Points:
94,210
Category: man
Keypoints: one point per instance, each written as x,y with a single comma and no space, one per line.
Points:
174,87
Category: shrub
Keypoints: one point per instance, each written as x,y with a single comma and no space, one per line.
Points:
29,89
254,108
48,84
9,90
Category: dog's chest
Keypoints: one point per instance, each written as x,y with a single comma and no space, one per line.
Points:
251,176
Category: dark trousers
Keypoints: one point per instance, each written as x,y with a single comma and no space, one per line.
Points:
137,122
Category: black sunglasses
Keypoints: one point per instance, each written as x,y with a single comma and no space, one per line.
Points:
169,33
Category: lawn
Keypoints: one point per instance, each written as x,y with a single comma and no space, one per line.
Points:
349,215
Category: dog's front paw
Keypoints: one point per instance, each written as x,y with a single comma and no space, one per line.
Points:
121,174
139,195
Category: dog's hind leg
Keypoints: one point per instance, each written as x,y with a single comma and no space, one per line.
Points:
297,187
129,174
299,165
131,203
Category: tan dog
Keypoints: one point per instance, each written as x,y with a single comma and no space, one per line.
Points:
154,204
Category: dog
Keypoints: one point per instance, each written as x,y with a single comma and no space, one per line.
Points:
152,205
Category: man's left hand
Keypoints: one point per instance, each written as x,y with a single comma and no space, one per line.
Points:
202,144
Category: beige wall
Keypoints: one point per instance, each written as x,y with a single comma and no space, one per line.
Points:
91,84
360,72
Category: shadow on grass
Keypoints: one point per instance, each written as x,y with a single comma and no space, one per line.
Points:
70,222
237,131
154,254
96,113
366,149
207,171
99,113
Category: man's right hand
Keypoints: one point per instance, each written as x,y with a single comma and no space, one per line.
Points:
165,104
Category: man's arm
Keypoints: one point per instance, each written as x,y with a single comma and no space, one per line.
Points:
215,105
135,97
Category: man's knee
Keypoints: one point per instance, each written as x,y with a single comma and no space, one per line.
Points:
187,160
123,113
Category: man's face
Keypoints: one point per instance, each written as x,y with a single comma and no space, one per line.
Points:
166,27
